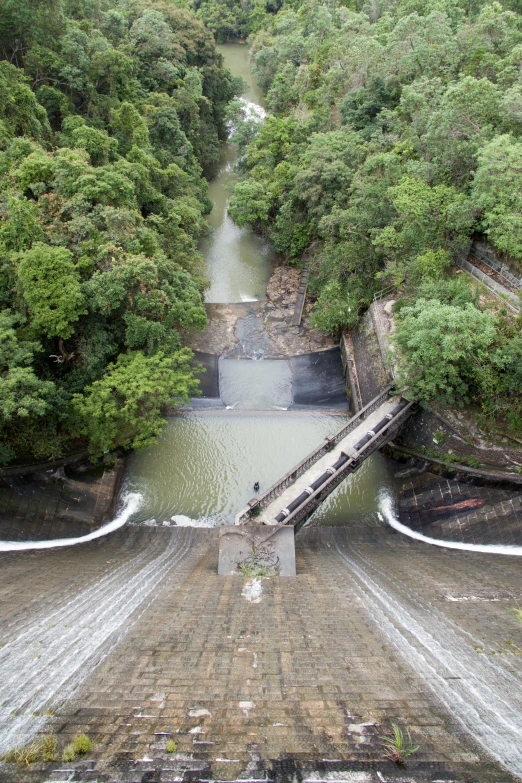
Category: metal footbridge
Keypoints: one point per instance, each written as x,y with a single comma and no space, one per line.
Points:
293,498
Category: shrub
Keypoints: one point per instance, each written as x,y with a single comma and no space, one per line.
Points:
171,746
82,744
49,748
69,754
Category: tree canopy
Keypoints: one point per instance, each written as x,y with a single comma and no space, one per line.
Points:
111,116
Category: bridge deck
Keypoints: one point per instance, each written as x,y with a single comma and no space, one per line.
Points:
268,514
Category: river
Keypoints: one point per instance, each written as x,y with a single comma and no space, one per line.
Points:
239,262
204,466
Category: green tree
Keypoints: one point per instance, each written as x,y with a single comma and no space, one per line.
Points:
51,288
443,349
25,399
124,408
20,112
497,192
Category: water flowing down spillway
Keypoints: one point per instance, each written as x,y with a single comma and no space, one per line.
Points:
390,516
130,503
43,660
482,692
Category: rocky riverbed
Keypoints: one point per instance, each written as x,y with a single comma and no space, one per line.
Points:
261,329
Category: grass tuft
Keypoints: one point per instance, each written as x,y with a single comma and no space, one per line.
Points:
397,746
26,755
69,754
49,748
82,744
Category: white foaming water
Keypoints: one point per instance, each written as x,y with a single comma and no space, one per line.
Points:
131,504
50,656
493,549
482,692
180,520
253,111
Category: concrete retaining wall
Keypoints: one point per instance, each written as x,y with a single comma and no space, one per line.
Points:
350,374
59,504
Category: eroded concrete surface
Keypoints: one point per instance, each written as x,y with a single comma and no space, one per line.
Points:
141,641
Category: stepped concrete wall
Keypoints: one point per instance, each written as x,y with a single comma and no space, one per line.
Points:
59,503
294,681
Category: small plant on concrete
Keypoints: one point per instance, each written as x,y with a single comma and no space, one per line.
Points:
257,571
82,744
26,755
398,747
49,748
171,746
69,753
517,612
262,562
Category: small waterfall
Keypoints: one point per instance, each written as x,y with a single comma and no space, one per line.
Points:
132,502
493,549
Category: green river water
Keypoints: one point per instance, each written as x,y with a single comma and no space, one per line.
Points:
204,466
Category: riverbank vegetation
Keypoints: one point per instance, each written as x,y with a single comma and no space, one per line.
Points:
395,135
111,113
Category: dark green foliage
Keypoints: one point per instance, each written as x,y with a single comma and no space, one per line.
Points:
109,114
123,409
395,135
229,19
444,348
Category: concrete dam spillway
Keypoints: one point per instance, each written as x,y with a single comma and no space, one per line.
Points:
134,639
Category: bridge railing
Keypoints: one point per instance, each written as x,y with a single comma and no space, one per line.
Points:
301,513
257,504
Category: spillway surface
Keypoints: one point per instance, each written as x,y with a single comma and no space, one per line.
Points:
375,628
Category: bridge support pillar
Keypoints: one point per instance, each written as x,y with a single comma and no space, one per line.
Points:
256,550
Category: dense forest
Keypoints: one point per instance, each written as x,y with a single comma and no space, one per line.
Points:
111,115
394,136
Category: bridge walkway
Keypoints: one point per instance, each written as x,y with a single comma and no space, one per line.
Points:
367,425
268,514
